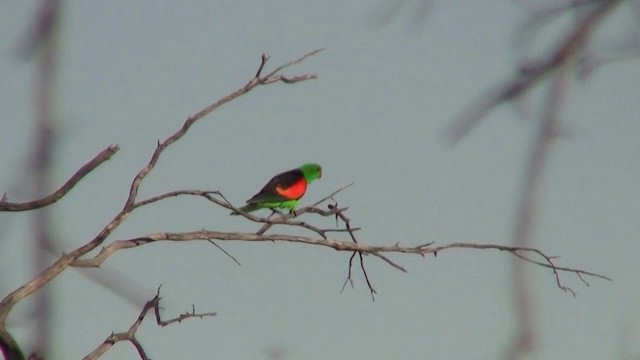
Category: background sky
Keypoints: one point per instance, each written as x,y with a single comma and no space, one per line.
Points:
129,74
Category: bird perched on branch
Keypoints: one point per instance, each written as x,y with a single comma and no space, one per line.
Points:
283,190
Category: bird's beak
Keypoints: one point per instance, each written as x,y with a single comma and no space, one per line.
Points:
320,174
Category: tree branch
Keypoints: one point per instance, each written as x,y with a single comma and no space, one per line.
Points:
530,75
268,222
335,244
46,275
253,83
103,156
130,334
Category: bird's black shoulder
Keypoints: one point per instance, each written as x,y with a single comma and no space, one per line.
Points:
285,179
282,180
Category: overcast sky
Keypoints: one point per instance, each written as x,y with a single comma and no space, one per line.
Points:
129,74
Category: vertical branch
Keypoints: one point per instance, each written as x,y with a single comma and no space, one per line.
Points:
561,62
531,193
44,37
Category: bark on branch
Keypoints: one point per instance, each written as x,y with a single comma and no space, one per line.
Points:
130,335
339,245
103,156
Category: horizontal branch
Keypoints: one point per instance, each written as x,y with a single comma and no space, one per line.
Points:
103,156
286,219
338,245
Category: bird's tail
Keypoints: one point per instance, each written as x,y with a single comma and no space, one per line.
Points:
246,209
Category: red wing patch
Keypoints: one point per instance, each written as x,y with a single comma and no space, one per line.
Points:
294,191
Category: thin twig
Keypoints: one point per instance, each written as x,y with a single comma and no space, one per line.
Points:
277,70
339,214
349,279
225,252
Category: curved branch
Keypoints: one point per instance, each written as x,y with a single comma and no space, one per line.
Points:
103,156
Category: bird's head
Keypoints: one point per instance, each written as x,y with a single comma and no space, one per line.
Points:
311,172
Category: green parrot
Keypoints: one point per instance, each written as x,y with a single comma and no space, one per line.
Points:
283,190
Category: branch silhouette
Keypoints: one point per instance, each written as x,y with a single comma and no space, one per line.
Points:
531,74
8,345
336,244
103,156
528,76
130,335
557,66
320,238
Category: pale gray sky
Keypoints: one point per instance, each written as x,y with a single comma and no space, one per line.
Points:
131,72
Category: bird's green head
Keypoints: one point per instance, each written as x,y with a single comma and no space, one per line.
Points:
311,172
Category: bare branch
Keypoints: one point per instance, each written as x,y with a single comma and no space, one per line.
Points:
338,245
204,193
41,30
516,251
61,264
390,262
539,17
183,316
339,214
349,279
129,335
624,49
225,252
531,192
253,83
44,38
372,291
530,75
334,210
268,223
103,156
272,76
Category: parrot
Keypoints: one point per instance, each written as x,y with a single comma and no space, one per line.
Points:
283,190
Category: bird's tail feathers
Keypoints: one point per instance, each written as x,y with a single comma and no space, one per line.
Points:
246,209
